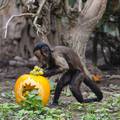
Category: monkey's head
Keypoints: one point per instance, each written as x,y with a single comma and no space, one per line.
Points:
42,51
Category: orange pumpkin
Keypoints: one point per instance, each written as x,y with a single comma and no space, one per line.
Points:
29,82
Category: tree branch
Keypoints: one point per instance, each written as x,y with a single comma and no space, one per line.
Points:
86,7
113,76
3,5
89,17
38,13
93,8
9,20
94,20
80,5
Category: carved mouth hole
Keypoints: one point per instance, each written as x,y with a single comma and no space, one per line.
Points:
27,88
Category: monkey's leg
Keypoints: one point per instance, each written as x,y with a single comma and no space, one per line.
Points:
77,78
95,89
75,83
65,79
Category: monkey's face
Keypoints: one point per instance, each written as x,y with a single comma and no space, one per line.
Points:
42,58
43,53
39,56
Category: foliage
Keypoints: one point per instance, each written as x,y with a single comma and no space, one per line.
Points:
106,110
89,117
32,109
33,101
15,112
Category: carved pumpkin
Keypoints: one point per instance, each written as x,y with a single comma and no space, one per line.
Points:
28,82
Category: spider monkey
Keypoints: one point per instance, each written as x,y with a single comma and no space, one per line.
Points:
63,59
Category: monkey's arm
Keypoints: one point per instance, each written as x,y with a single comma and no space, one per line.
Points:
61,66
51,72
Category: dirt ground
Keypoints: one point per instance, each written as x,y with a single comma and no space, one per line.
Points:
8,75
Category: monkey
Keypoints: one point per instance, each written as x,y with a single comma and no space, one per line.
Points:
62,59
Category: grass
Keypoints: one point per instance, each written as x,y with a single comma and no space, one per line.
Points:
32,109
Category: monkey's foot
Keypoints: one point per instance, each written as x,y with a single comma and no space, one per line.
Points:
53,105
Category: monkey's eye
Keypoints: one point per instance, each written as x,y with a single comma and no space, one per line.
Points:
45,50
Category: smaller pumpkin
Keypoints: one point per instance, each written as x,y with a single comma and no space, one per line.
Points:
28,82
96,77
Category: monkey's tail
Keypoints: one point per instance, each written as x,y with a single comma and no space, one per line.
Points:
95,89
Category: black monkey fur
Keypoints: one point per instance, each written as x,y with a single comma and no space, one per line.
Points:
63,59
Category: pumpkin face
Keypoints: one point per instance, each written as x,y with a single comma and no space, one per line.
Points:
28,82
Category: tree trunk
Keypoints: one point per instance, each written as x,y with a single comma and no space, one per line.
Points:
50,24
78,36
8,45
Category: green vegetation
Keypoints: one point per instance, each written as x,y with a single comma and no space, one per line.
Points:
107,110
32,109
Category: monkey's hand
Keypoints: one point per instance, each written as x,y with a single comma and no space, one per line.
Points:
51,72
37,71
